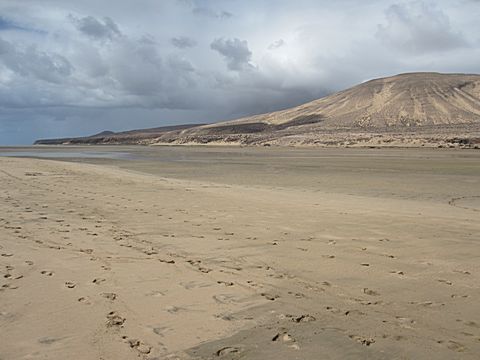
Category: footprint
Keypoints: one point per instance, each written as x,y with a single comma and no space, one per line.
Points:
453,345
270,296
405,322
225,298
114,319
370,292
333,309
138,345
283,336
354,312
98,281
169,261
297,295
156,293
302,318
427,303
226,283
175,309
70,284
9,286
199,267
109,296
150,251
253,283
160,330
194,284
84,300
463,272
228,350
362,340
47,272
445,281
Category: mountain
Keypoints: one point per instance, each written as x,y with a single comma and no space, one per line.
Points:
416,109
404,100
109,137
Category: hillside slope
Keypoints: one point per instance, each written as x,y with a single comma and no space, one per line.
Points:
415,109
415,99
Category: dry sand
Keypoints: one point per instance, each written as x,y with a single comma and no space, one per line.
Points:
354,256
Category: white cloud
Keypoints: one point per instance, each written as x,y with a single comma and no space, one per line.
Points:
419,27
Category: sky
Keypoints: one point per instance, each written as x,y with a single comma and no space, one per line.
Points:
75,68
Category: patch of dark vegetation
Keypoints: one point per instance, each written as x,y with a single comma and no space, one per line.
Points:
464,84
465,141
301,120
251,128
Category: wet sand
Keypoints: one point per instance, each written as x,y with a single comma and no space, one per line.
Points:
234,253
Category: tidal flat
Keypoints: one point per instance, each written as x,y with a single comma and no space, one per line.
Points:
197,252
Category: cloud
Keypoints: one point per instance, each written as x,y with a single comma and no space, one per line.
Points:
34,64
276,44
419,28
235,52
96,29
201,8
183,42
130,72
8,24
208,12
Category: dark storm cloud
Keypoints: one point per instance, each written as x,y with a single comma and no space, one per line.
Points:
97,29
183,42
6,24
419,28
235,52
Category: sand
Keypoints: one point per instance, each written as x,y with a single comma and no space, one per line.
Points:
343,254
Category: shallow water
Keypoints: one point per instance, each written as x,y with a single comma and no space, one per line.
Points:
423,174
66,154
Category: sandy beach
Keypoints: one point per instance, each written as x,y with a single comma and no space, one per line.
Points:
241,254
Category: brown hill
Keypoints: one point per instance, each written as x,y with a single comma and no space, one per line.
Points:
415,109
109,137
428,106
416,99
